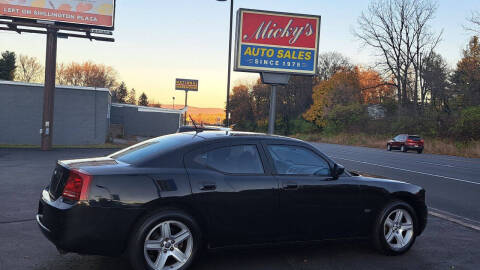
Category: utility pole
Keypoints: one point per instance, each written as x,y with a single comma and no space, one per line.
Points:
49,92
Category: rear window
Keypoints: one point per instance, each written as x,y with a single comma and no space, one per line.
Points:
150,149
414,138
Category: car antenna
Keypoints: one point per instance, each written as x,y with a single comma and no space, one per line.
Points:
197,130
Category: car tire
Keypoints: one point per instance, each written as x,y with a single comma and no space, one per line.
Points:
389,147
403,148
145,229
382,232
419,151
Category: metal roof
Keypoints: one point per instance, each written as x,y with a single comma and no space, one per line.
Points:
149,109
57,86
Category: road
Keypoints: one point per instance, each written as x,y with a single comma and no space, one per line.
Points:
452,183
24,172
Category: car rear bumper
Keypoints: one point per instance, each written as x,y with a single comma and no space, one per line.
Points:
414,147
83,229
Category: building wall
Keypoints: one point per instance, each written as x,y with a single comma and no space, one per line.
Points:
146,122
80,114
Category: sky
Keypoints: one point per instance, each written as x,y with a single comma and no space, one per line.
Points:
158,41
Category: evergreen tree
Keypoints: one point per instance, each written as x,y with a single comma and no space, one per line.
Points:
7,66
120,94
467,75
132,97
143,100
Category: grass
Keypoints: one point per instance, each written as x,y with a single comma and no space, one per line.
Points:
432,145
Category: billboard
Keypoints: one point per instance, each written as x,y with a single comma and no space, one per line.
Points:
186,84
85,13
276,42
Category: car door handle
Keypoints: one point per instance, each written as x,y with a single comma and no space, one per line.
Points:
290,185
207,187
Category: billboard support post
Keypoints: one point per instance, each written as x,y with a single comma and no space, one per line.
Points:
49,92
274,80
271,116
185,118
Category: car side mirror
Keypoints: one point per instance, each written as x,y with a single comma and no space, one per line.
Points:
337,170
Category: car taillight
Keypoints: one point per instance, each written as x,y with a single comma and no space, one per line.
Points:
76,188
410,141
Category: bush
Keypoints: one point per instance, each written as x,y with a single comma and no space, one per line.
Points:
467,126
346,118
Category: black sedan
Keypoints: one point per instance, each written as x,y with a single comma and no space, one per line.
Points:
159,202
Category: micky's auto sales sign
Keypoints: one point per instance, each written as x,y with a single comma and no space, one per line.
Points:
277,42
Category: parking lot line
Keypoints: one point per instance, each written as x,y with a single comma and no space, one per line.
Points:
406,170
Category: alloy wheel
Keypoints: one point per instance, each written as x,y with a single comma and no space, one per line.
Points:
168,245
398,229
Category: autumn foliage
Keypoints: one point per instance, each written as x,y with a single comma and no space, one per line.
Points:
346,87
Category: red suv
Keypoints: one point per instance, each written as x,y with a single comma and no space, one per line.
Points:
405,142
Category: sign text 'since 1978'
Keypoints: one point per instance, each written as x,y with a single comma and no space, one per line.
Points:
277,42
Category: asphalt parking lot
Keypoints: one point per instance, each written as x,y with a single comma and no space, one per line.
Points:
23,174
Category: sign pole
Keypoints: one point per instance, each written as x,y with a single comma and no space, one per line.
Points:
185,118
227,112
49,92
273,103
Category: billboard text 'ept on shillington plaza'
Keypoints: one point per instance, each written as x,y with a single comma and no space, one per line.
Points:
84,13
277,42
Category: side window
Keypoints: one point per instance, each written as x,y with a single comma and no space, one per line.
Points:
238,159
295,160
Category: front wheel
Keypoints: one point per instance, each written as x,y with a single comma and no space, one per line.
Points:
395,229
403,148
419,151
165,240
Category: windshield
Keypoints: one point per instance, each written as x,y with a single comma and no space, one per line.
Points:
414,138
149,149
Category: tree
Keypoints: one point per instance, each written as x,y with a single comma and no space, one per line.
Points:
29,69
120,93
143,100
7,66
467,76
132,97
374,89
331,62
474,21
241,108
398,30
86,74
343,89
435,79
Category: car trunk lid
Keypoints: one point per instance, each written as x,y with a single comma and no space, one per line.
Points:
62,172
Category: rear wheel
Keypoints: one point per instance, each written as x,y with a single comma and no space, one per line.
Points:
165,240
395,229
389,147
403,148
419,151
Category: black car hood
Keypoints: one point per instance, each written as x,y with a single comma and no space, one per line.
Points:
377,180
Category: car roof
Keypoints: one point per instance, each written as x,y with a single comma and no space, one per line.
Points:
214,135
